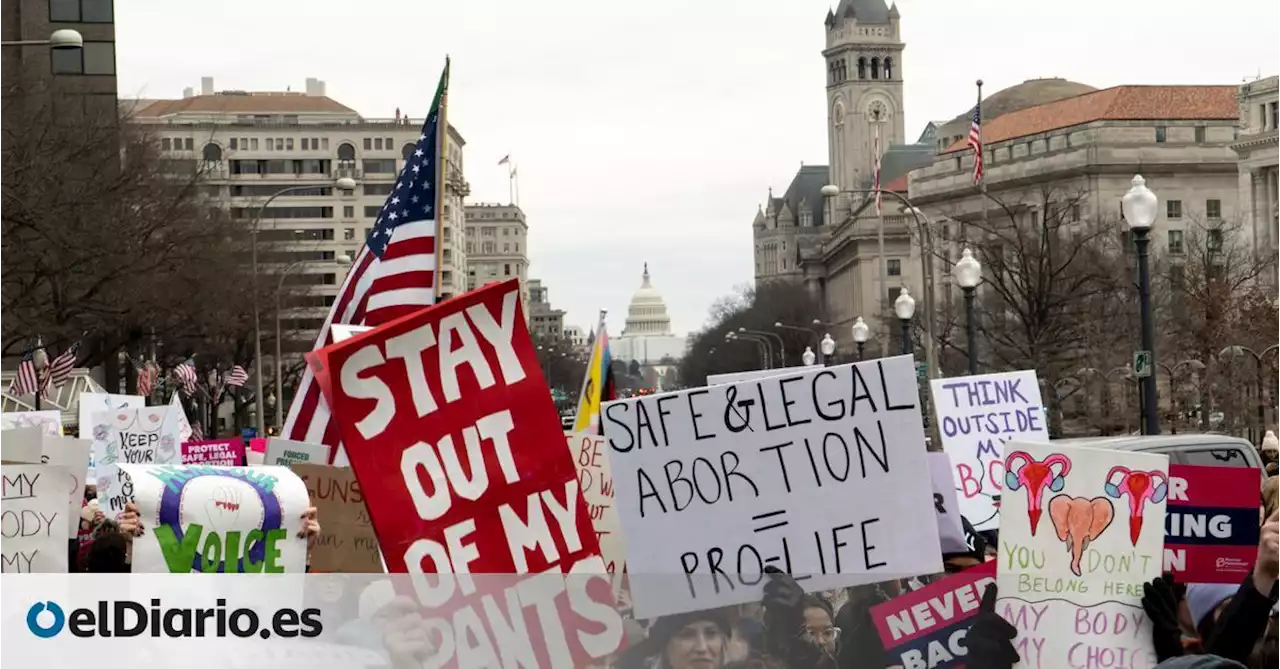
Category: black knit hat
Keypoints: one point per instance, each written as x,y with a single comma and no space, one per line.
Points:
668,626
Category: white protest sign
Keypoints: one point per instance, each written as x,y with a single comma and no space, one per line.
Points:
71,455
976,414
343,333
49,421
91,404
820,473
752,375
595,479
218,519
34,502
946,505
131,436
285,452
1082,530
178,420
22,445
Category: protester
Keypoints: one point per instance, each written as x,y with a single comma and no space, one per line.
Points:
695,640
1246,616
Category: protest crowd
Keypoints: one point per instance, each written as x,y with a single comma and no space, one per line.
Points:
777,519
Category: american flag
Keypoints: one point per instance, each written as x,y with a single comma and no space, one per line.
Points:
877,188
186,376
27,382
237,377
60,368
975,142
147,375
395,272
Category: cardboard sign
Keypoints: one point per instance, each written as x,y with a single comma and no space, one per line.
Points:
820,473
130,436
595,480
1211,526
32,522
220,452
946,505
976,414
203,519
50,422
34,445
1082,530
92,404
926,628
752,375
347,543
449,427
286,452
22,445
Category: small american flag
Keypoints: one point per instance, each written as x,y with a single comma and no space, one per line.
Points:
975,142
60,368
237,377
147,376
186,376
395,272
27,382
197,432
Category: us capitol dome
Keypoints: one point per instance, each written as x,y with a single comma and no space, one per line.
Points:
646,337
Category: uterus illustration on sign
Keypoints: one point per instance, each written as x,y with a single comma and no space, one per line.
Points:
1140,487
1036,476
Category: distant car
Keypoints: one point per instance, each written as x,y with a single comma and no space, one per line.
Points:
566,422
1215,450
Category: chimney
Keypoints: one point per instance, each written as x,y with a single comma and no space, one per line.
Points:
206,85
188,92
320,88
311,86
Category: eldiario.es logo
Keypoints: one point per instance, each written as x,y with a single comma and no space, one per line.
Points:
132,619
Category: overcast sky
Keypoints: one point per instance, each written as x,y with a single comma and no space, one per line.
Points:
650,131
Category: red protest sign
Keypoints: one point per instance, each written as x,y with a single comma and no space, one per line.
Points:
1211,523
926,628
455,440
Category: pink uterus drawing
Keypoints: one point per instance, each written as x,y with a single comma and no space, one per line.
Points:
1140,487
1036,477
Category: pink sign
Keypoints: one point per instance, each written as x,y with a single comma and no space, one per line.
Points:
1211,523
926,628
223,452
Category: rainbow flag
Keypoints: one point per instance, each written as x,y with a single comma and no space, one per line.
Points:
597,386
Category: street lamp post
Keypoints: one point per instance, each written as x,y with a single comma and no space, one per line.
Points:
280,405
968,273
1139,206
817,341
764,345
782,353
59,40
828,348
905,308
860,335
764,360
343,183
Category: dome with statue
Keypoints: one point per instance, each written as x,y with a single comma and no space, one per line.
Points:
646,336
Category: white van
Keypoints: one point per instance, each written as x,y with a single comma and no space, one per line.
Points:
1215,450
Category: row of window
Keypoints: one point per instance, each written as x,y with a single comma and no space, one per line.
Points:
492,247
301,166
838,69
491,231
97,58
346,152
1162,134
1173,209
81,11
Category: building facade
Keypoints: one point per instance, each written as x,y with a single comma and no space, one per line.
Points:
1257,147
545,322
646,335
497,246
249,146
64,82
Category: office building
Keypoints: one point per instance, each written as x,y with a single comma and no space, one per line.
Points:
497,246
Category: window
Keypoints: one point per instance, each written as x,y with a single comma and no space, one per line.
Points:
1075,212
1175,243
517,247
348,211
188,144
506,232
1200,131
1173,209
895,267
506,269
253,143
368,144
888,68
81,11
378,189
324,143
380,166
1227,456
212,153
1275,114
1160,134
862,68
506,247
1213,208
94,58
166,144
346,152
406,151
279,144
377,144
372,212
388,141
269,144
234,145
1215,240
349,233
875,68
304,144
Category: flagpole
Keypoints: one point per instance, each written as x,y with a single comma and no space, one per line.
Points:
442,131
982,178
515,179
511,183
883,297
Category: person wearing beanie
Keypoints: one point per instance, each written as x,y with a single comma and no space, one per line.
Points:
1199,662
1205,601
1248,612
695,640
